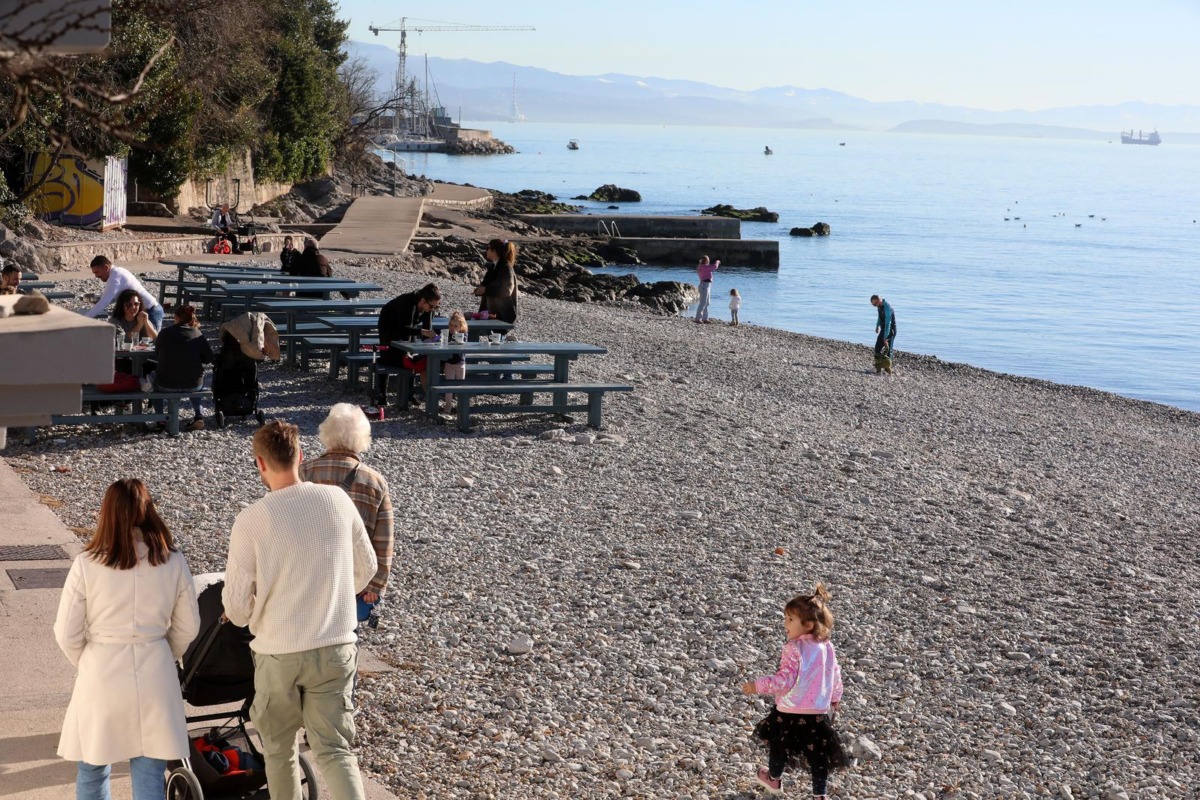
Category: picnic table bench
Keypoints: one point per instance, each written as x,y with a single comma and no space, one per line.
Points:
466,392
563,354
140,413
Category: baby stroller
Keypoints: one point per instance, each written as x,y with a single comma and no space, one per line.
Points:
245,341
218,670
248,238
235,383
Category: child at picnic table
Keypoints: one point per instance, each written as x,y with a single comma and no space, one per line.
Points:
807,689
454,368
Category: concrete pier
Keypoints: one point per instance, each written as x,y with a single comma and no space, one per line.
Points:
642,225
753,253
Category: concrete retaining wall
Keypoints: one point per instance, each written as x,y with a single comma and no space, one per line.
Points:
753,253
78,255
191,193
639,225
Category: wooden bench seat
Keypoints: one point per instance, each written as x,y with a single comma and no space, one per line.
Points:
142,412
466,392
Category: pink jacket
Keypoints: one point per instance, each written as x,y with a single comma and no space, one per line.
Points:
705,271
809,679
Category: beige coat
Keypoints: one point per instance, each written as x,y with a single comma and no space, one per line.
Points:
257,335
124,630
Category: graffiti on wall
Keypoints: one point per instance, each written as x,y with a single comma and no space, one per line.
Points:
77,191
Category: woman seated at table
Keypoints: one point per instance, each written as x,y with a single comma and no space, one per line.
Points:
407,318
130,317
182,352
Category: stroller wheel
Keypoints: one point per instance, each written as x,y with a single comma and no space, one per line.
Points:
261,417
308,780
183,785
219,418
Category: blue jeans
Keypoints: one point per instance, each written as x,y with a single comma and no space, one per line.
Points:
148,774
158,404
705,295
155,314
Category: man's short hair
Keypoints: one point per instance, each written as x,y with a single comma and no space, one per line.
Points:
9,269
100,262
874,297
278,444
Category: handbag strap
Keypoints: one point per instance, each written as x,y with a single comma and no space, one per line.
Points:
348,481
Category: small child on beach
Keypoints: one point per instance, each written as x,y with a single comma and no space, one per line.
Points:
807,688
735,304
454,368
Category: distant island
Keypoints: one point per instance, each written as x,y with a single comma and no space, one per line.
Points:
504,92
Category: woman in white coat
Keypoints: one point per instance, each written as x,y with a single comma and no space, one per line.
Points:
127,613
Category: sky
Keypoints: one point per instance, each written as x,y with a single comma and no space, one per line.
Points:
999,56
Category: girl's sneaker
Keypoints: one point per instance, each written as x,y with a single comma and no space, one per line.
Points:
772,785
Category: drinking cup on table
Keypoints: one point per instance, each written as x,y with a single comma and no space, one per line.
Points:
495,337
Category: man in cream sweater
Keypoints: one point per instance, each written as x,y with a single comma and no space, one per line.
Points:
297,558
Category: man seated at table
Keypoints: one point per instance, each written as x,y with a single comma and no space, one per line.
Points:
225,225
117,280
407,318
10,280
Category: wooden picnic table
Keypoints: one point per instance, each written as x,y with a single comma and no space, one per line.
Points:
298,308
562,352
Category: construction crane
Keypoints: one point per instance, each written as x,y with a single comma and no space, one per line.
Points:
402,67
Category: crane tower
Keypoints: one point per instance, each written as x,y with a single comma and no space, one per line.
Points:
402,89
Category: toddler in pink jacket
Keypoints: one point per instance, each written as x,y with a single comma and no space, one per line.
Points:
807,688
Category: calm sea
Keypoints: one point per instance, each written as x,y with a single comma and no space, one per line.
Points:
1070,261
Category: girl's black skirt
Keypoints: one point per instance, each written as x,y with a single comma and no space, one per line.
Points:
808,741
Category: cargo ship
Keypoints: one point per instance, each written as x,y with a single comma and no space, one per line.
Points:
1129,138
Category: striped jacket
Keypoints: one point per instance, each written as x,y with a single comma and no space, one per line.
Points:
370,495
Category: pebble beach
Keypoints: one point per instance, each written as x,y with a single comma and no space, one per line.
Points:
1013,566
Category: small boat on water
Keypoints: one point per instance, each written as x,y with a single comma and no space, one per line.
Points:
573,145
1128,138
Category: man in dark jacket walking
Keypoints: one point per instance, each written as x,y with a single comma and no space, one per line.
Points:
885,327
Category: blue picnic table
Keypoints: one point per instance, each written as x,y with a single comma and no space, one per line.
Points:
563,354
298,309
251,292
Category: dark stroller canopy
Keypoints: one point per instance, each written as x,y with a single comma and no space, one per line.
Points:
218,667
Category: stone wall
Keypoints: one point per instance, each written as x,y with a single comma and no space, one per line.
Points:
77,255
224,190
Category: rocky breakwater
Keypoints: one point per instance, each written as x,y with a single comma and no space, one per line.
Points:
758,214
558,270
480,147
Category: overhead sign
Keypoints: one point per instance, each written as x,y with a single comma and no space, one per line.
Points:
54,27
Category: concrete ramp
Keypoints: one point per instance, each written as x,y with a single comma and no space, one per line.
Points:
376,226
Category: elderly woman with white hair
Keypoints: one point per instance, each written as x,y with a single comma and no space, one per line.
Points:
346,435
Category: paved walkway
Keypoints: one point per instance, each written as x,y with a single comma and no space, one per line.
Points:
385,225
35,677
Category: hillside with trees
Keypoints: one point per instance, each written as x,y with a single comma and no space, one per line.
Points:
184,89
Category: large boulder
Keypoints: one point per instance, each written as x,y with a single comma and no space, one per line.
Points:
759,214
668,297
819,229
611,193
802,232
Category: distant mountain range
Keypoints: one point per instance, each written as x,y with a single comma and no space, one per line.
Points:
484,92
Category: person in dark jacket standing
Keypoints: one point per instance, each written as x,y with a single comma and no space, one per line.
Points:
499,287
885,327
182,351
406,318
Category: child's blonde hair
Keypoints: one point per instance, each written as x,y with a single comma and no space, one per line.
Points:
813,608
457,320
